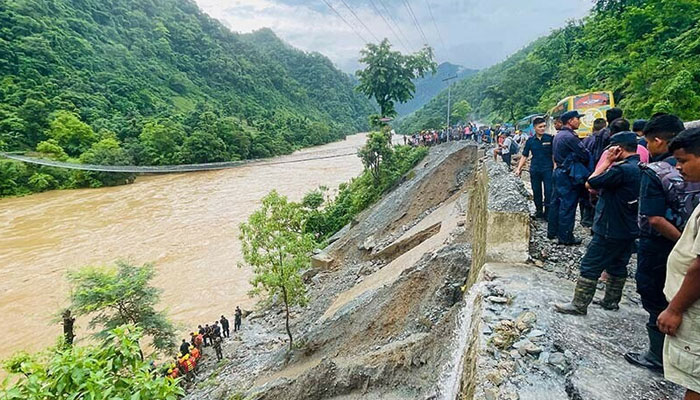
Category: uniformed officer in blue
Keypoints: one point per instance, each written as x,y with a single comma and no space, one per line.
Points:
568,152
614,227
541,166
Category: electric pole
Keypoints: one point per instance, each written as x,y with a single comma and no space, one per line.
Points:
449,104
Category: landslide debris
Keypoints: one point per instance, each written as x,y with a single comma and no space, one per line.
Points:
385,302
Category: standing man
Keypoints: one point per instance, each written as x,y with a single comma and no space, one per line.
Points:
225,325
662,216
541,166
614,228
567,150
506,148
680,321
237,320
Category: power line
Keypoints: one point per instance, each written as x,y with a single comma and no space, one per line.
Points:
374,5
415,21
360,21
346,21
430,10
398,26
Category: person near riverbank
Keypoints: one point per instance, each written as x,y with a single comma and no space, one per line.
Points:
569,155
662,216
614,229
217,348
184,347
225,326
680,321
206,333
541,166
238,315
216,331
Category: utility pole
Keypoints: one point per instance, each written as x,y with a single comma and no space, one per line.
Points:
449,104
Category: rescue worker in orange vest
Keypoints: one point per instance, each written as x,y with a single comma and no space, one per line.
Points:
194,352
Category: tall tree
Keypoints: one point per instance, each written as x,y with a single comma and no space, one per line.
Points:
389,75
278,249
121,295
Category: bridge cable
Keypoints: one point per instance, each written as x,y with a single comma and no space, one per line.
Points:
398,25
400,39
164,169
360,21
415,21
352,27
430,11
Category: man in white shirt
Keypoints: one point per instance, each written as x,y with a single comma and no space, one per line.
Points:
681,319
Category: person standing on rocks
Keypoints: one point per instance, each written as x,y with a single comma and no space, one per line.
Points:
225,326
614,228
237,321
680,321
541,166
217,348
658,234
567,152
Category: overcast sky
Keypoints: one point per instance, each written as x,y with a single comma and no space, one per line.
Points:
475,33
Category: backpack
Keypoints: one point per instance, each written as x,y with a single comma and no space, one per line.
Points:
514,148
682,196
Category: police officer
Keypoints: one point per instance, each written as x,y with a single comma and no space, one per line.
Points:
658,234
614,228
566,151
541,165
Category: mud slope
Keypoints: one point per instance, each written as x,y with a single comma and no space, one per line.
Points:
384,303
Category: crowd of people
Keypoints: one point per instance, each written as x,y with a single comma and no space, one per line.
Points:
469,131
190,352
637,186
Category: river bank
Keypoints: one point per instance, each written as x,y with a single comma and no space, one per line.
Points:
186,224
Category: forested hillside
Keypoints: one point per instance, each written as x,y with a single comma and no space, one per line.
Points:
154,82
647,52
430,85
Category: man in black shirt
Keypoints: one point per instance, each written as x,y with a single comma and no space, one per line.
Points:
614,227
541,166
658,235
184,347
225,326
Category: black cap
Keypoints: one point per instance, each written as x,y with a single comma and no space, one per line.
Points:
639,125
569,115
626,137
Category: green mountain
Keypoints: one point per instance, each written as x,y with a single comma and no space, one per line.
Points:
647,52
157,82
430,85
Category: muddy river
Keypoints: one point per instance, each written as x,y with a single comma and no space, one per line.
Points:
187,224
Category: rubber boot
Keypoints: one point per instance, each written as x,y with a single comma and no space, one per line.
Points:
653,358
583,295
613,292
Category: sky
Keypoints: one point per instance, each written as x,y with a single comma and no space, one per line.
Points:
472,33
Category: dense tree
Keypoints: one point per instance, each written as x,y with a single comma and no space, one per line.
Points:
276,245
375,152
388,76
461,110
113,370
118,296
157,74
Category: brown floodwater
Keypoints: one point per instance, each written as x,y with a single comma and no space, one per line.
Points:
187,224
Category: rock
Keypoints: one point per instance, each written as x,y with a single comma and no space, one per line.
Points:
521,343
532,349
497,299
368,244
558,361
321,261
491,394
309,274
460,222
496,377
544,357
525,320
535,333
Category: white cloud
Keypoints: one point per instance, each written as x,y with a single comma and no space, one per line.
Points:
476,33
